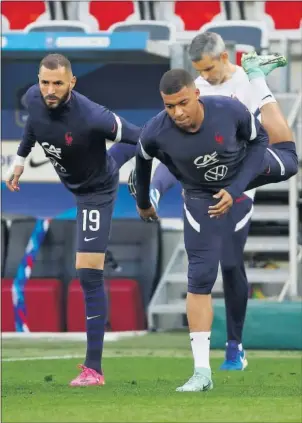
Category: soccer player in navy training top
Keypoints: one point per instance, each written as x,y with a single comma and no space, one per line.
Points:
218,76
217,149
72,131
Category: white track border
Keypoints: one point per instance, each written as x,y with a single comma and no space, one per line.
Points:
70,336
65,336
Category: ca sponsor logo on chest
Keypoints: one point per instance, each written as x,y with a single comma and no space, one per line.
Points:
206,160
56,153
52,150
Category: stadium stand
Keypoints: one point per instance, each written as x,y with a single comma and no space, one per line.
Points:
99,15
57,26
196,13
157,30
106,15
286,15
5,24
20,13
131,273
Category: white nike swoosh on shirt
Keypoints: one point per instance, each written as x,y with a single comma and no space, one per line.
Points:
92,317
89,239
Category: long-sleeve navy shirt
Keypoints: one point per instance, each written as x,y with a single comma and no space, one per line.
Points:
226,152
73,137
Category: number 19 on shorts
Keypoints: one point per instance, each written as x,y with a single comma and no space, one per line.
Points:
91,220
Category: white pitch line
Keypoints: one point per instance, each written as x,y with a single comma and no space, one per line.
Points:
70,336
51,357
157,354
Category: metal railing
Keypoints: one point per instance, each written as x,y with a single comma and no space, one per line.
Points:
295,255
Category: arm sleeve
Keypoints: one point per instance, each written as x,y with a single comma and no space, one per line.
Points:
122,153
145,152
28,140
115,128
251,131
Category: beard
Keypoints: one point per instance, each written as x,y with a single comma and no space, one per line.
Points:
59,100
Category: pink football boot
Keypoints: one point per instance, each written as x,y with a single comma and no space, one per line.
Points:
88,377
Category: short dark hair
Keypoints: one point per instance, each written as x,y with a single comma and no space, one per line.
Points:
174,80
54,61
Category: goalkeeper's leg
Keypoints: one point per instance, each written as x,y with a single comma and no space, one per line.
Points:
281,155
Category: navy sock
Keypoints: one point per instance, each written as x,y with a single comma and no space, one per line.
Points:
236,296
92,281
162,179
122,153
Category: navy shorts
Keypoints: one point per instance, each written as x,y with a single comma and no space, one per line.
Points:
203,237
94,216
280,163
209,241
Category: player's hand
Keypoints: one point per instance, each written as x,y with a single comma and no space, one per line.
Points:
148,215
12,178
223,206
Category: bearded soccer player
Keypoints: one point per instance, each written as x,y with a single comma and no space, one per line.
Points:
73,130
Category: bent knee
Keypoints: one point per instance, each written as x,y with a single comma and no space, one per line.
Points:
90,261
288,155
201,282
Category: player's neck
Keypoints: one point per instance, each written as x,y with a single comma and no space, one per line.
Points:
230,69
199,119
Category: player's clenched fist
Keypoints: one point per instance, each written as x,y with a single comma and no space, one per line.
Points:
148,215
13,176
223,206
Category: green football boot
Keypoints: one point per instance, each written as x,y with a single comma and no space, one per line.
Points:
256,66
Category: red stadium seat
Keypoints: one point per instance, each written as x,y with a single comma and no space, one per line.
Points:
286,14
7,310
22,13
44,301
238,57
110,12
125,306
196,13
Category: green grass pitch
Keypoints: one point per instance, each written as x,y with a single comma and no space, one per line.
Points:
141,376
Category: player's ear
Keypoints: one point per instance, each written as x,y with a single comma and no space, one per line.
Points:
224,56
73,82
197,92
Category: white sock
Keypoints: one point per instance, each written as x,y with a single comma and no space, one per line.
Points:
262,92
200,343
